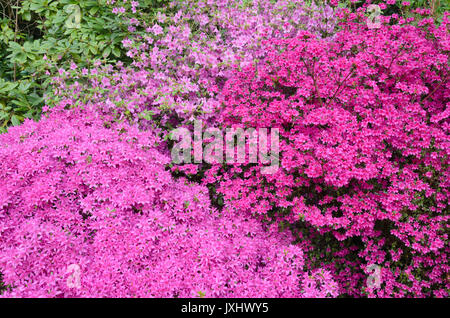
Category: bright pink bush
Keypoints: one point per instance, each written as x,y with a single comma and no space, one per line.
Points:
78,189
364,128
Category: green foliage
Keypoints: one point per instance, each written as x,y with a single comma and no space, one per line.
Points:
18,100
38,37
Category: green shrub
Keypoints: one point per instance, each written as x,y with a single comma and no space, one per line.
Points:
38,37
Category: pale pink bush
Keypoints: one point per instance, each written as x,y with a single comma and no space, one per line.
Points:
79,189
181,62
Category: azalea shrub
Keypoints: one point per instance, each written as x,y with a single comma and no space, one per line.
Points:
364,151
94,196
181,63
39,38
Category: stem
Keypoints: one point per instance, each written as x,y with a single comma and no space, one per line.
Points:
15,36
435,89
341,83
311,73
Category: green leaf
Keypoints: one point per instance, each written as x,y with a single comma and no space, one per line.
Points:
107,52
94,10
21,57
93,49
35,6
116,52
15,120
27,16
20,103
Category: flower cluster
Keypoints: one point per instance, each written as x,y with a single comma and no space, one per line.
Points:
364,150
95,196
183,60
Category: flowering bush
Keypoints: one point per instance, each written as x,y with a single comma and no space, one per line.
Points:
76,193
40,37
181,64
364,150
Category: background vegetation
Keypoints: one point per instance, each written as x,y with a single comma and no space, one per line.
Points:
40,37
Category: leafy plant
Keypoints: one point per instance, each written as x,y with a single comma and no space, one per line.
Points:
40,37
